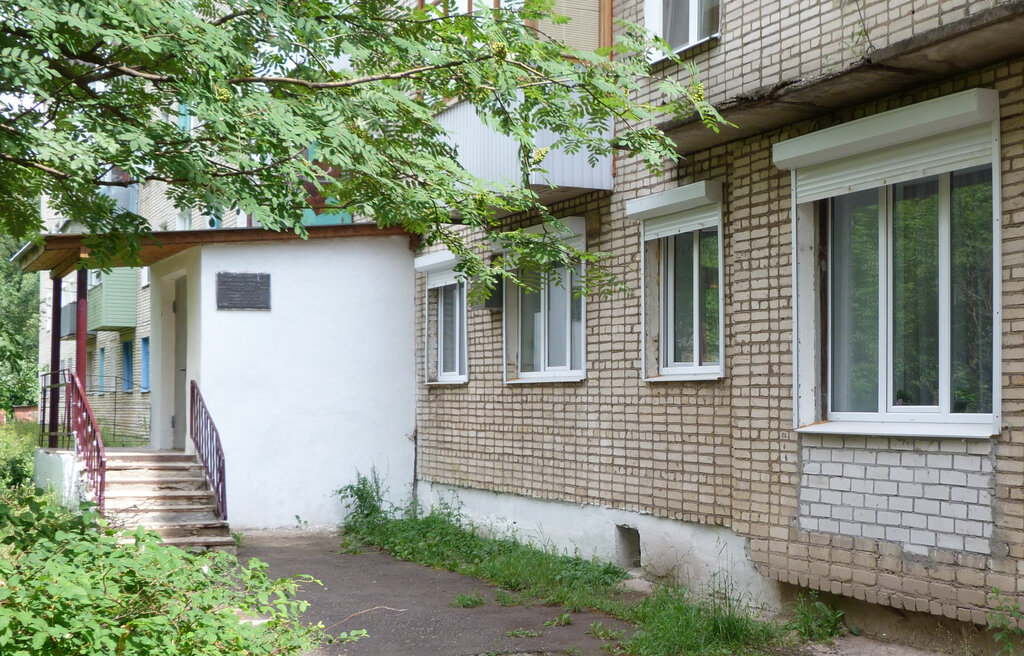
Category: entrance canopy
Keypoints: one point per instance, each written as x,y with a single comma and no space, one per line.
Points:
60,254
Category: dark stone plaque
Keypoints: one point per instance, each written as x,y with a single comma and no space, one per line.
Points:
243,291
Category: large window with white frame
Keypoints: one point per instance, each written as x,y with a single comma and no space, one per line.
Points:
682,23
682,320
899,238
544,319
446,326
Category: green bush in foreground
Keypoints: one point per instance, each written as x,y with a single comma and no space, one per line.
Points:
17,444
68,587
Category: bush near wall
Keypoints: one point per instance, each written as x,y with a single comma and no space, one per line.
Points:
68,585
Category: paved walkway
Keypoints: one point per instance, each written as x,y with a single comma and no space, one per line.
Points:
406,608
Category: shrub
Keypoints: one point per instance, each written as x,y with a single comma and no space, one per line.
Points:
70,587
17,443
815,620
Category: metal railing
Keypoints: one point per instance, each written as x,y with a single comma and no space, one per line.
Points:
207,440
122,414
54,410
88,442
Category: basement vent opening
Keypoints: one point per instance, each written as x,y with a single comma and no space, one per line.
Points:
628,546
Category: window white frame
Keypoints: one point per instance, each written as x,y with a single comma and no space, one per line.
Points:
951,133
679,211
654,21
511,338
439,268
144,276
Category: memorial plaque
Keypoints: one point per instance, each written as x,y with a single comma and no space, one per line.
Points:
243,291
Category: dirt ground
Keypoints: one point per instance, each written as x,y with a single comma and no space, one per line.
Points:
407,609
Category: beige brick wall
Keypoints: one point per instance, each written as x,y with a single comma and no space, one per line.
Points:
723,452
763,43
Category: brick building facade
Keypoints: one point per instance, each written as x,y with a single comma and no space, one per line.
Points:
701,455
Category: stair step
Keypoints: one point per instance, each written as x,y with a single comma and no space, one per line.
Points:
202,542
152,465
186,528
143,485
162,514
144,457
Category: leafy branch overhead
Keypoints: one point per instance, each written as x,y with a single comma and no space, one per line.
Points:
88,87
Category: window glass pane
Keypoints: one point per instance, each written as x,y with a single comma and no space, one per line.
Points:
709,295
708,18
460,302
682,297
576,326
854,302
675,17
915,293
530,326
449,326
971,281
145,364
557,320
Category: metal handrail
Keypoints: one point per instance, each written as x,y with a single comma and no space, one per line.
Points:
88,442
206,437
55,392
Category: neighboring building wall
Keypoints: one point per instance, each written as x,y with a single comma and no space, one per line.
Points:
918,524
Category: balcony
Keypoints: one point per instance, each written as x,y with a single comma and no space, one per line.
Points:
493,156
113,300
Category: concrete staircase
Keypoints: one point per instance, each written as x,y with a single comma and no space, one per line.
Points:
166,492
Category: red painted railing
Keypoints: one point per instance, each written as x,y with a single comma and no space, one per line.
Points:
88,442
207,440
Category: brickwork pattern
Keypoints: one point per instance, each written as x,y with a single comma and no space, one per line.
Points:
918,493
767,42
724,452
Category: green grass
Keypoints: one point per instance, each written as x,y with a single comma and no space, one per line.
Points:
463,600
445,540
670,621
523,633
815,620
674,621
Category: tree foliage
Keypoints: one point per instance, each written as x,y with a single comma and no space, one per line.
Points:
19,327
96,85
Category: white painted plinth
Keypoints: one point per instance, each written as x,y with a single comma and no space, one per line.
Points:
694,555
60,470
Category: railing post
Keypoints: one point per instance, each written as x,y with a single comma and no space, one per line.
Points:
54,362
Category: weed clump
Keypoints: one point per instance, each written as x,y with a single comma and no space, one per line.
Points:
675,621
815,620
445,539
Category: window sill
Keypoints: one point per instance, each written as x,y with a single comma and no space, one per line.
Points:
573,377
971,431
657,57
681,377
454,381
